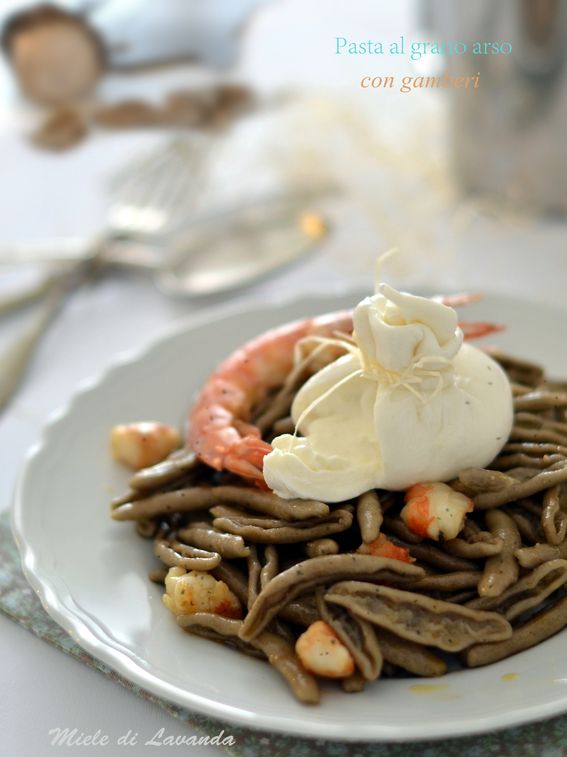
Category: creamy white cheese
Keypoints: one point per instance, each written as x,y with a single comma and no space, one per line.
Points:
410,404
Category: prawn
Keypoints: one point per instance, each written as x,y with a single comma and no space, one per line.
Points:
383,547
322,652
220,431
197,591
435,511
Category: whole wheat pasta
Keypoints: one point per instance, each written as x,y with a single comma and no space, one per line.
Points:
522,371
544,480
234,578
553,519
538,435
459,597
473,550
520,389
410,656
285,533
147,528
201,497
201,535
530,505
501,570
419,618
397,527
527,528
157,576
529,592
270,567
301,611
448,582
354,683
369,516
531,557
320,547
281,655
439,558
357,635
290,563
318,571
477,480
541,626
279,406
533,420
535,448
283,426
254,569
540,400
520,459
219,629
177,465
173,553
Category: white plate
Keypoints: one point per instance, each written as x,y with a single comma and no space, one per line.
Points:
90,572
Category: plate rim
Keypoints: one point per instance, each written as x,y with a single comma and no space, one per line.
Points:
127,667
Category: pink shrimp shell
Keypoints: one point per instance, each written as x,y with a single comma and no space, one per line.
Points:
219,432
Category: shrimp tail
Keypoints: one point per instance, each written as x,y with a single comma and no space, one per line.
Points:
459,300
470,329
478,329
246,459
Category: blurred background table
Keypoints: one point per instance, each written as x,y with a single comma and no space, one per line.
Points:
445,245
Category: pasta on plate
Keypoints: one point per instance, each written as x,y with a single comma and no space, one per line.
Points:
368,582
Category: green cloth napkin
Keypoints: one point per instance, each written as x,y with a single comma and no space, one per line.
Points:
17,600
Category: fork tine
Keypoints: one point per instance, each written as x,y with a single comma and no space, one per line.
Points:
179,183
181,194
153,193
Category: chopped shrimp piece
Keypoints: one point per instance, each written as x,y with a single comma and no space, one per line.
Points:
322,652
435,510
197,591
139,445
383,547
